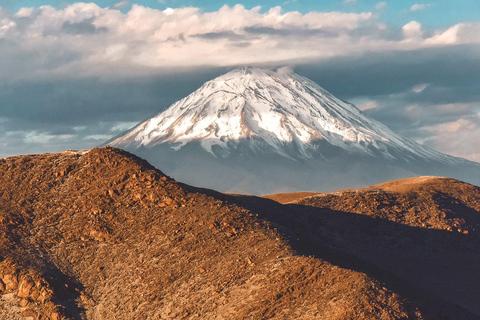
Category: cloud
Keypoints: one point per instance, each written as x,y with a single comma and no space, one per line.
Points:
285,70
121,5
229,35
86,40
381,6
412,30
454,126
419,6
367,105
462,33
6,26
419,87
24,12
82,27
459,137
410,91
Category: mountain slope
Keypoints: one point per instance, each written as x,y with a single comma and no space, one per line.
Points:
271,108
424,230
429,202
253,118
102,234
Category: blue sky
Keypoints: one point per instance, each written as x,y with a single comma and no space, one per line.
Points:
435,14
75,75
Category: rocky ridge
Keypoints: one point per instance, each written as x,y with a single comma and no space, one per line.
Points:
427,202
423,229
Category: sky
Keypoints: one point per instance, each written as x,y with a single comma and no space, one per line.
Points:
74,74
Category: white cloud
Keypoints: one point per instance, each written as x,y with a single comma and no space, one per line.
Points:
381,6
121,4
454,126
369,105
458,137
419,87
419,6
461,33
122,126
100,138
285,70
24,12
42,138
6,25
412,30
84,39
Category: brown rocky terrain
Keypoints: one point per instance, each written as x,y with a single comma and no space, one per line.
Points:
104,235
427,202
424,230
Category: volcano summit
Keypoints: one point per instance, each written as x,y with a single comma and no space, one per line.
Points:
257,130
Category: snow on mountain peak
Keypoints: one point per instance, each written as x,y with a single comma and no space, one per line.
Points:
275,109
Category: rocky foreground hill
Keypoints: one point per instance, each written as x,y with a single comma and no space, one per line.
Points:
102,234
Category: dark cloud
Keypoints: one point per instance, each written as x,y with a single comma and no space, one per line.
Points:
82,27
242,44
80,113
32,61
56,104
66,130
380,73
439,94
447,83
290,31
228,35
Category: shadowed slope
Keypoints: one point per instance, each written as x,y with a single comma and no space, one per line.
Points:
424,230
429,202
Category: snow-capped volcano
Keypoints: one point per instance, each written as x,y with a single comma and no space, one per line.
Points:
253,112
278,109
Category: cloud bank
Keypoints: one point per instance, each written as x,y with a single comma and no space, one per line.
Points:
86,40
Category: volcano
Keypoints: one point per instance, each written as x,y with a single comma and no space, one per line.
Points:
259,131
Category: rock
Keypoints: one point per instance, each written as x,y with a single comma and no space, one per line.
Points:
28,313
25,288
11,281
55,316
24,302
